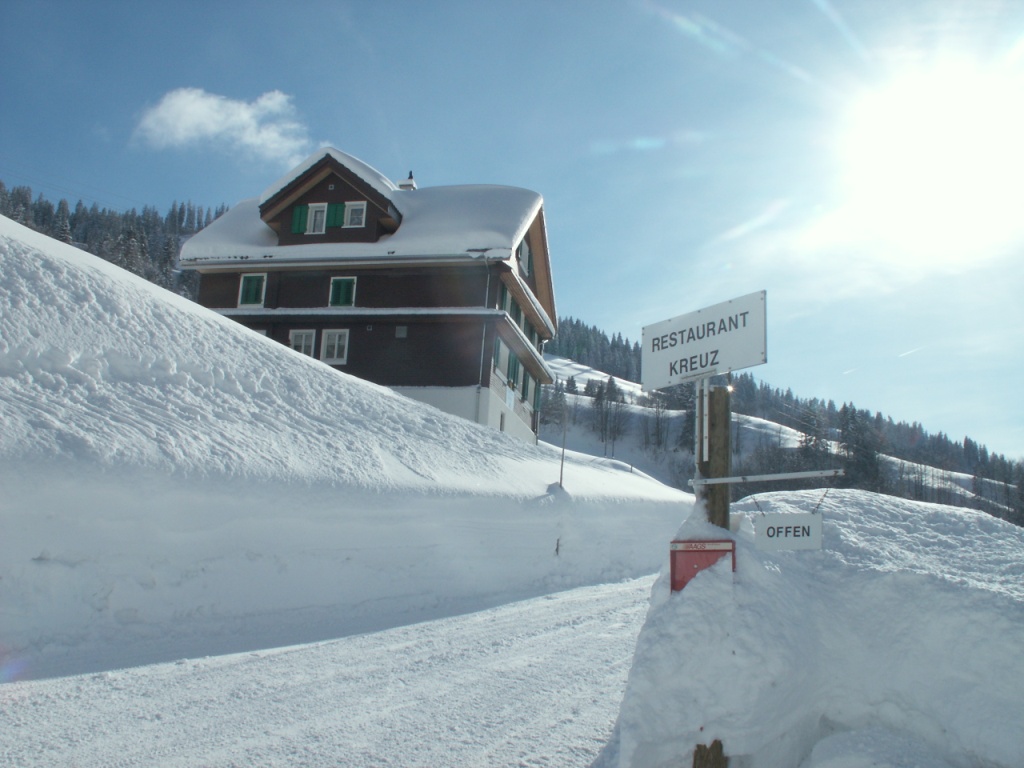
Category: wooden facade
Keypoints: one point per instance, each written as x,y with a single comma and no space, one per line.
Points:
423,316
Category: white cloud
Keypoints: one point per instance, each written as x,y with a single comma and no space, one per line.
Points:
266,127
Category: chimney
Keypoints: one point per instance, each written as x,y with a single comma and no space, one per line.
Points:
408,184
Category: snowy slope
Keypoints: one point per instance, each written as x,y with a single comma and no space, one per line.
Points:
907,625
176,485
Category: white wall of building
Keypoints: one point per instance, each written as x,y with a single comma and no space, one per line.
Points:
477,404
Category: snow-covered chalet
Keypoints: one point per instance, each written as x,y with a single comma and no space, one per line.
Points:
441,293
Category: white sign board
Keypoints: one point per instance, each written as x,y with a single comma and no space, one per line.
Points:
710,341
790,531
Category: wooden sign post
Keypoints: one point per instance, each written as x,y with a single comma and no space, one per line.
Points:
713,452
694,347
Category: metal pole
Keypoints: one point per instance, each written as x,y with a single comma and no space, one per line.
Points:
767,478
565,428
706,385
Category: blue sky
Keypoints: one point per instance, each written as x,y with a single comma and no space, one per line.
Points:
859,160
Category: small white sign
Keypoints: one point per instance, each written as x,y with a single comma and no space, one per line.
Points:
790,531
710,341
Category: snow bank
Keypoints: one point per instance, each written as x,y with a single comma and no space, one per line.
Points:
174,484
910,622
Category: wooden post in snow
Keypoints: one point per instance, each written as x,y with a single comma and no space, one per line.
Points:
710,757
715,461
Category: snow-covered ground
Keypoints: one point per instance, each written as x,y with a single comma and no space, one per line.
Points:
908,622
530,683
176,485
175,489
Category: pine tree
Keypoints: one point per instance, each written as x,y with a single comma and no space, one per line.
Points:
168,262
63,225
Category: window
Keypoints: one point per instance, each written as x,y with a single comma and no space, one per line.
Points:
334,348
343,292
316,221
512,375
497,354
317,218
401,331
355,215
252,290
302,341
525,255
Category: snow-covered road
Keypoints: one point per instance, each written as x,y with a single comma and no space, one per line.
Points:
528,684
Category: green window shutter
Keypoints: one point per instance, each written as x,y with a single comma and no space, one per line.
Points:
526,387
335,214
497,353
300,213
342,292
513,368
252,289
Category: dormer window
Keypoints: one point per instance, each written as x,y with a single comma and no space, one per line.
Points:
355,214
317,218
316,221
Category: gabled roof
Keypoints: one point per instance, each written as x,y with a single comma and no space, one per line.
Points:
464,223
468,222
367,173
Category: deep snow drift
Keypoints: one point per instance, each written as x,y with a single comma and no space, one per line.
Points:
176,485
900,639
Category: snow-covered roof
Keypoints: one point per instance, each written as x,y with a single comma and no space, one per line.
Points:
477,221
364,171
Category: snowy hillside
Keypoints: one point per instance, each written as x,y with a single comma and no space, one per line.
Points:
176,488
898,644
671,462
176,485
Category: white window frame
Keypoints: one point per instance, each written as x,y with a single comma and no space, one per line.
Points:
314,209
303,332
263,289
350,210
324,336
523,255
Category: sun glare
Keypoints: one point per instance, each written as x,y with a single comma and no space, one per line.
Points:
933,162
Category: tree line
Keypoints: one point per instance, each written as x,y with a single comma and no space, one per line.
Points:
876,452
144,242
